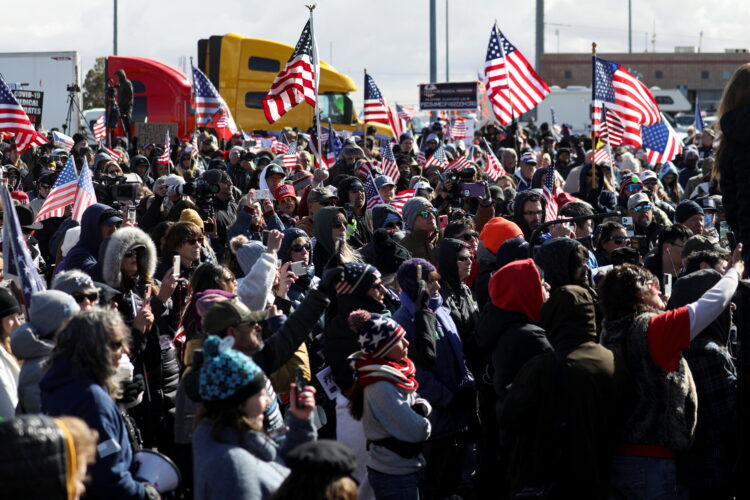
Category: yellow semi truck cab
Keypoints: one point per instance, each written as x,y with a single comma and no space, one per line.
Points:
243,69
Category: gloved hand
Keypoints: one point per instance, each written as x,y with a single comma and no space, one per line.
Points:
331,278
607,201
422,407
131,389
422,300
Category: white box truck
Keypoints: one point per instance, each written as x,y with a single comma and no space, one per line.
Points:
49,77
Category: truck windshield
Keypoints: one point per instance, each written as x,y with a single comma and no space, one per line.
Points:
335,107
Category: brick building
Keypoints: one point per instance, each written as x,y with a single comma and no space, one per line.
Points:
696,74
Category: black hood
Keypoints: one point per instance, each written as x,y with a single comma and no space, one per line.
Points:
690,288
553,256
513,249
569,318
735,125
447,264
518,203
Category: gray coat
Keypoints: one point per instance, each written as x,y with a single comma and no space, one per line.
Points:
33,351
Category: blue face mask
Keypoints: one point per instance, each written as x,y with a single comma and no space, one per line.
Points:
435,302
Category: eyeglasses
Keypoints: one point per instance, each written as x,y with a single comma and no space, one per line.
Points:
643,208
463,258
299,248
620,240
634,188
428,212
92,296
116,345
469,236
193,241
538,212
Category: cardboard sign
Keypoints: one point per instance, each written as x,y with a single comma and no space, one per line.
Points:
32,102
325,377
154,133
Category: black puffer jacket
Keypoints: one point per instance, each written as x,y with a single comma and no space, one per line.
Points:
734,164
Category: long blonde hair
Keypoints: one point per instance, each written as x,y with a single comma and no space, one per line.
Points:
736,94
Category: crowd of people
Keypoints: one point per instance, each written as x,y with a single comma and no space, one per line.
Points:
273,335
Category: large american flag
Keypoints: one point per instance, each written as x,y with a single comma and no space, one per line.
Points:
63,193
549,191
295,83
622,93
17,261
63,141
661,142
210,109
388,163
438,158
493,168
405,112
163,159
99,129
14,121
513,87
376,109
85,195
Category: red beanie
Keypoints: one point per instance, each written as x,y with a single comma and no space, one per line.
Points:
497,231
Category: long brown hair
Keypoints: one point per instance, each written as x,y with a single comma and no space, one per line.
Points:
736,94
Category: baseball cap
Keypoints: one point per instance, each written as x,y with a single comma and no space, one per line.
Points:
383,180
528,157
638,199
320,195
284,190
228,313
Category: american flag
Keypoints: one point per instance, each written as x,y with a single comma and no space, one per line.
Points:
401,198
15,121
421,158
398,125
612,130
661,142
63,193
194,145
458,129
85,195
210,108
333,146
290,157
100,130
513,87
365,168
622,93
295,83
602,156
113,153
281,145
460,163
698,117
388,163
555,127
163,159
371,191
62,140
17,261
493,168
438,158
354,273
376,109
549,191
405,112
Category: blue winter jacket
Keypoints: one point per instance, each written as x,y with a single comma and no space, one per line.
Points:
64,393
438,384
85,254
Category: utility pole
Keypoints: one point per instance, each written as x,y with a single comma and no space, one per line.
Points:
447,46
630,26
114,41
433,43
539,33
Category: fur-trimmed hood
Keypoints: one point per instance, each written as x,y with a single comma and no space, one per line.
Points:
120,242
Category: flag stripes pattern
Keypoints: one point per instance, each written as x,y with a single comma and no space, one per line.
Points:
63,193
85,196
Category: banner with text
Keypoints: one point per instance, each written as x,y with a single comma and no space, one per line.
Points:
452,95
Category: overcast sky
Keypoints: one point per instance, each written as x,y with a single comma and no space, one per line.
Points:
388,37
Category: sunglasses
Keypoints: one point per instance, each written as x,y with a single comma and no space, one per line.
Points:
620,240
633,188
329,203
428,212
299,248
643,208
116,345
130,253
650,181
463,258
92,296
469,236
193,241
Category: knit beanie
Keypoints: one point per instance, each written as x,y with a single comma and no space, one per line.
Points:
412,208
73,281
686,209
190,215
227,377
497,231
407,274
8,303
249,253
206,299
377,334
49,309
358,278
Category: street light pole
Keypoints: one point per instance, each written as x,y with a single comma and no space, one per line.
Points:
114,42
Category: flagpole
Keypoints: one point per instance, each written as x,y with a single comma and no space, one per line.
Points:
593,128
316,65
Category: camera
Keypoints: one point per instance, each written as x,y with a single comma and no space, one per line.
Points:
73,88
